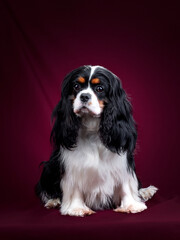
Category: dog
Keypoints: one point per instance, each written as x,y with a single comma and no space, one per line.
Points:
94,137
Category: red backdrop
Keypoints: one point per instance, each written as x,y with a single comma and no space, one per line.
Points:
41,41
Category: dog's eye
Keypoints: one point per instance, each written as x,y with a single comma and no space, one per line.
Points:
77,87
99,89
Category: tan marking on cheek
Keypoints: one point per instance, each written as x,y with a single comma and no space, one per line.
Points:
95,81
101,103
89,103
81,80
72,97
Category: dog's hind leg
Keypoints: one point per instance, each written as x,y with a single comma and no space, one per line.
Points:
147,193
53,203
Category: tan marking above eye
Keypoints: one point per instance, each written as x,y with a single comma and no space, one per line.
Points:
95,81
81,80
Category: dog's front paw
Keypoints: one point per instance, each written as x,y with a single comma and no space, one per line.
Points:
52,203
78,212
134,207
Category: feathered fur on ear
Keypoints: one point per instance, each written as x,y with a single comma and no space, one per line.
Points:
66,125
117,127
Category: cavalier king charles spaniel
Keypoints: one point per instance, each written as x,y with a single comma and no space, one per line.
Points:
94,136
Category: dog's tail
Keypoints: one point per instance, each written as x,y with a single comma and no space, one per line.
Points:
147,193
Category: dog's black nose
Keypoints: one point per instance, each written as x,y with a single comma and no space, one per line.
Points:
85,97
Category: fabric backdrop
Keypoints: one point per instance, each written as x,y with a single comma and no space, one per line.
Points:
40,42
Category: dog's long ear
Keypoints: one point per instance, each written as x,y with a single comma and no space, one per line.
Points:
117,127
66,124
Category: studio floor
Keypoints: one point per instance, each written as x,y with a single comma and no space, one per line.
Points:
32,221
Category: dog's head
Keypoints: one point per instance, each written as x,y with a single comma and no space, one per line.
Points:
90,91
94,91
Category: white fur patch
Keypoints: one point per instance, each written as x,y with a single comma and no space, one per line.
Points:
93,68
93,174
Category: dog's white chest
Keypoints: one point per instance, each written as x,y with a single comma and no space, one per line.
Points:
94,170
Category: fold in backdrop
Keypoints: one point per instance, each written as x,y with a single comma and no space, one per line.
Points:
41,41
